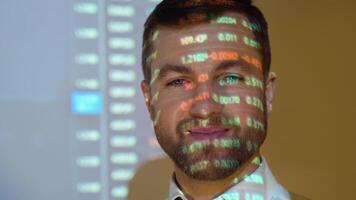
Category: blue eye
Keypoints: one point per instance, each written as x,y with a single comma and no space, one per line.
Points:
230,79
177,83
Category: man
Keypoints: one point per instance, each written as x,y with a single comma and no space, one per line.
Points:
208,90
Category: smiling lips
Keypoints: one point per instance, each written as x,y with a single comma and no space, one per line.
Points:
207,132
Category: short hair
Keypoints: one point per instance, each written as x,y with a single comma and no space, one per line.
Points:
182,12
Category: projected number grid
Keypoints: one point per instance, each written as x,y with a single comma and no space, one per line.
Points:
104,97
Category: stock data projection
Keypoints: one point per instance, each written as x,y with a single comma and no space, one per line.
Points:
109,122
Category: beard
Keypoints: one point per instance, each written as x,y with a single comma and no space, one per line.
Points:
211,159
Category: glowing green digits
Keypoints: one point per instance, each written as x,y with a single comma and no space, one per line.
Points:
227,37
195,58
225,163
251,42
254,178
198,39
217,143
235,121
254,101
229,196
253,82
225,20
227,143
194,147
251,26
229,80
254,123
199,166
226,99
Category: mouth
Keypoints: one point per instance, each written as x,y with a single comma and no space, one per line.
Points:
210,132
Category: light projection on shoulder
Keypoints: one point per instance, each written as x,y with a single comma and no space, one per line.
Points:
229,196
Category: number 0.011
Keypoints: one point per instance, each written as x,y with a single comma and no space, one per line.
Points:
227,37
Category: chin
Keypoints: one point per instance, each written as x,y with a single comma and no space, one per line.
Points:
211,173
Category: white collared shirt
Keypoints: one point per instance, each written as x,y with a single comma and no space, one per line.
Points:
260,185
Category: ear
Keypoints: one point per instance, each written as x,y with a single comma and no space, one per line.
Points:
146,90
270,89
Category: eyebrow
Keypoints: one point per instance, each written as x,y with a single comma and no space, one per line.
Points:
166,69
243,65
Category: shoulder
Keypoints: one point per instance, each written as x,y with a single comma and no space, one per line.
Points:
294,196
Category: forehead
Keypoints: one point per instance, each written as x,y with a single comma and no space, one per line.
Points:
228,36
230,33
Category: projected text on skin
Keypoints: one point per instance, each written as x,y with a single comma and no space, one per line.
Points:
207,95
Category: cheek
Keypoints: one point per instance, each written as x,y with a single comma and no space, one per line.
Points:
173,100
167,110
251,106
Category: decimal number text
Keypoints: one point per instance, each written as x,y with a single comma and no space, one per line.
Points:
191,39
227,37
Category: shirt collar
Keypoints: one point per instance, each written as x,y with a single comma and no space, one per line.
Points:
260,185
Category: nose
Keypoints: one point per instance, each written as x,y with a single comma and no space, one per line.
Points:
203,106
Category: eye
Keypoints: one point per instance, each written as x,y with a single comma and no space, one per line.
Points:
230,79
177,82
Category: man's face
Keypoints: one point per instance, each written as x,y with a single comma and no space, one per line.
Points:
207,95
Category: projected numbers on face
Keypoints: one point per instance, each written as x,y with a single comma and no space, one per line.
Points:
217,163
255,124
253,82
193,39
217,143
254,101
227,37
226,55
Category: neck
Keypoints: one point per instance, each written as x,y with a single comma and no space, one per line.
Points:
202,189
